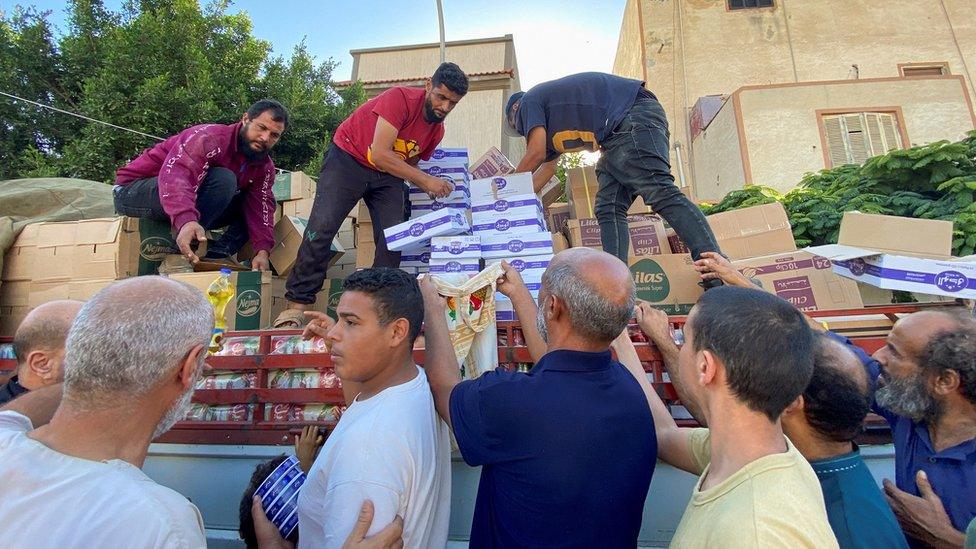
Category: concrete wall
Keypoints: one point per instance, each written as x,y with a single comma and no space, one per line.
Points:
718,158
628,61
475,122
410,63
783,139
697,47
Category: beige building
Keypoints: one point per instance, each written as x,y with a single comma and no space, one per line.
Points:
763,91
476,122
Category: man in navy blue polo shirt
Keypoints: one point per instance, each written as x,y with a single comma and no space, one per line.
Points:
593,111
567,451
926,374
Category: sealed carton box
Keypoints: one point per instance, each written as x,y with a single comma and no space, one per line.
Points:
804,279
293,186
417,258
581,188
418,232
250,309
301,207
326,300
289,233
421,207
490,164
489,190
516,214
81,290
453,247
753,232
466,265
890,234
444,156
530,268
556,216
457,177
669,282
647,234
105,248
365,254
506,246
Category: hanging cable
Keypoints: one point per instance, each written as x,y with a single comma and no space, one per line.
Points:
83,117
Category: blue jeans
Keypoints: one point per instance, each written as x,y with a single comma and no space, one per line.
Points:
219,202
635,163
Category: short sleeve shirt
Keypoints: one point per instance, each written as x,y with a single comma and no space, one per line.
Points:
401,107
578,111
557,445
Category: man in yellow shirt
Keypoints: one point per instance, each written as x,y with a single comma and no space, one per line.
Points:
746,356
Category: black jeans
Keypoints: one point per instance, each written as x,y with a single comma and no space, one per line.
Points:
219,202
635,163
342,182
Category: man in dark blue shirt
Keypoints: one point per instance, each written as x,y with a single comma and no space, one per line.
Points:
927,392
567,451
823,424
592,111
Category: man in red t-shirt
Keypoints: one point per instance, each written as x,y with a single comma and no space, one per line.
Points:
372,153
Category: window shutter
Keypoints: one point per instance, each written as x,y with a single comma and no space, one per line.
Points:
857,137
890,130
836,142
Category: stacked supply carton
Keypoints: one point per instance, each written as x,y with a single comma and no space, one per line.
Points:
455,254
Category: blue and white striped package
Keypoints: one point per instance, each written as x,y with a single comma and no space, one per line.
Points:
279,495
504,246
530,267
416,258
454,247
460,185
421,207
447,157
518,214
416,233
491,189
464,265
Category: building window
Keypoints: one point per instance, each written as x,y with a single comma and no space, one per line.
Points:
852,138
924,69
748,4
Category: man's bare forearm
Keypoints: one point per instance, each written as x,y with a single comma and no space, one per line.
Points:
440,364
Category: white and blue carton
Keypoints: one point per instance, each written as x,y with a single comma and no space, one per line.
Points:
491,189
506,246
455,247
445,156
463,265
416,258
517,214
417,232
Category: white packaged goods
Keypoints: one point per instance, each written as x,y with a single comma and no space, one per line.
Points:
459,178
416,258
301,412
447,157
490,164
453,247
503,308
418,232
303,379
531,269
516,214
229,380
421,207
468,266
491,189
506,246
222,412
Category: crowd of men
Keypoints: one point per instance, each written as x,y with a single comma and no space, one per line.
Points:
568,450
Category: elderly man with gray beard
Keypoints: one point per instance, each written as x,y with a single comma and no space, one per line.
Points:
566,450
926,374
132,359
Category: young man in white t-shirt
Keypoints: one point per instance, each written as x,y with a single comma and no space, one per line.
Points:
390,446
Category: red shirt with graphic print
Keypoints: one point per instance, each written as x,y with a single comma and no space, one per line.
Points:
401,107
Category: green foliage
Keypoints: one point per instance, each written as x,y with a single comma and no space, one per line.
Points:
934,181
156,66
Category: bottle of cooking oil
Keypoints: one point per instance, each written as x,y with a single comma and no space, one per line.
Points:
220,292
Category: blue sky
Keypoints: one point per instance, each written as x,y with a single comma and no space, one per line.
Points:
552,37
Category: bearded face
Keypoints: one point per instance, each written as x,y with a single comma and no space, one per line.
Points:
909,397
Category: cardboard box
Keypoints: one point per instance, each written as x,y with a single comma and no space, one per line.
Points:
341,272
362,213
504,309
507,246
490,190
559,243
363,231
326,300
581,188
455,200
365,254
416,258
530,267
804,279
454,247
289,233
447,157
41,292
677,245
14,293
293,186
552,191
105,248
469,266
298,208
928,238
753,232
418,232
647,235
669,282
456,177
515,214
10,319
490,164
557,214
250,309
910,255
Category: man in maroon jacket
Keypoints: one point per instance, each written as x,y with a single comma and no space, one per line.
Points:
210,176
372,153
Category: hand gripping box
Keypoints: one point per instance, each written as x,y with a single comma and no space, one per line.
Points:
455,247
457,177
418,232
531,269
